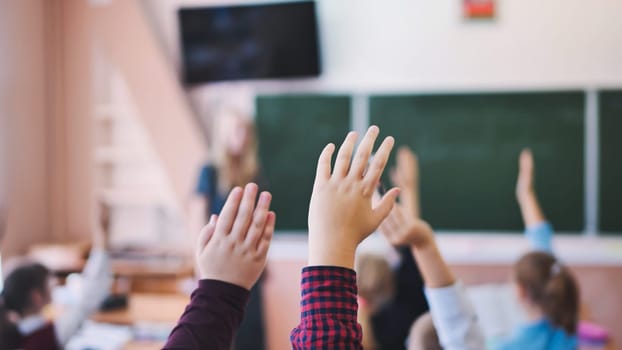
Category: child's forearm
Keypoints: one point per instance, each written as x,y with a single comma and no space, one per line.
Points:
212,317
435,271
530,209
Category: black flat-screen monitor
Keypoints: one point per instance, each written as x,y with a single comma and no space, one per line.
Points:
275,40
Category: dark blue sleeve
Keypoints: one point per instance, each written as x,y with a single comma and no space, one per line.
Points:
206,182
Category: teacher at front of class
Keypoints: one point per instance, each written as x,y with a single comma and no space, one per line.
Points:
233,161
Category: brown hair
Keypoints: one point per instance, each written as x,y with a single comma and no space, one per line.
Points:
375,280
552,287
423,334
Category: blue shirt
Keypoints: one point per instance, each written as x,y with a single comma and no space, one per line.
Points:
539,335
540,236
208,187
457,325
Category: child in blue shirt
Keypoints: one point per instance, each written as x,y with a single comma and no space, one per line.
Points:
545,288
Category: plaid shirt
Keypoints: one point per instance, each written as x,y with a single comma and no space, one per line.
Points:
328,310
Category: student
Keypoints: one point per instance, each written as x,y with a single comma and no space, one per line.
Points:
376,287
230,256
423,335
341,215
27,292
544,286
388,323
234,162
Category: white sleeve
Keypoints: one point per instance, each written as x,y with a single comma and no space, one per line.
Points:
96,282
454,318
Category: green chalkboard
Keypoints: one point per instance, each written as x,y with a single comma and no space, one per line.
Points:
610,204
468,146
293,130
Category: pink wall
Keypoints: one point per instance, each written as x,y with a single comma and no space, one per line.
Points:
74,137
45,77
600,292
23,108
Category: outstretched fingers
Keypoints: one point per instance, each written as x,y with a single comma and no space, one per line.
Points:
260,218
264,243
206,233
342,164
245,212
323,165
229,212
361,159
378,164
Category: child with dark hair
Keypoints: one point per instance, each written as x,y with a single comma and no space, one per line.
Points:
26,292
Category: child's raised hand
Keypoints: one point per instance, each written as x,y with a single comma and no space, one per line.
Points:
341,214
405,175
406,172
403,228
233,247
524,184
101,231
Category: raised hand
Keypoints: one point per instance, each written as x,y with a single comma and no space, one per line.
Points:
525,192
405,175
403,228
525,182
341,213
101,229
233,247
406,172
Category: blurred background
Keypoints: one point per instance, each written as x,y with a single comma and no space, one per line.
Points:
125,102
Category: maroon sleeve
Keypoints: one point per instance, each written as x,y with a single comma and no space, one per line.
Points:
328,310
211,319
42,339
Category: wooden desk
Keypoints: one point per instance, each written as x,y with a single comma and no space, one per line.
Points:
160,308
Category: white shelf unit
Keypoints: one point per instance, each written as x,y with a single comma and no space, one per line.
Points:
128,174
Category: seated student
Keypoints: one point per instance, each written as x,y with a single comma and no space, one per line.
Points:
27,292
387,317
230,255
376,286
341,215
423,335
545,287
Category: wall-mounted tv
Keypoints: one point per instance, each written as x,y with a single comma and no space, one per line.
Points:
262,41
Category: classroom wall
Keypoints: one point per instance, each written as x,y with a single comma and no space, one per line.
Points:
45,77
406,44
22,79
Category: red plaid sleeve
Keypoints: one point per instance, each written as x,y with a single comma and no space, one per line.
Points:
328,310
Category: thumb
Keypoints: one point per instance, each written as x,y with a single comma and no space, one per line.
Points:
383,208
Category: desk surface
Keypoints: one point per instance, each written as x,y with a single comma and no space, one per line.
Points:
165,308
160,308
